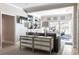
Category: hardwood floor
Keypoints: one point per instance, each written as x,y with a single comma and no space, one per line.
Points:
5,45
14,50
69,50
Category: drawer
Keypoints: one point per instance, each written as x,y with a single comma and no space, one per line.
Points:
29,41
42,48
26,45
42,43
27,38
41,39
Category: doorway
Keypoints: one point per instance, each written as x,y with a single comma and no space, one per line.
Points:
8,30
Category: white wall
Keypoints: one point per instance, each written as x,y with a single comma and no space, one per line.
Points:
20,30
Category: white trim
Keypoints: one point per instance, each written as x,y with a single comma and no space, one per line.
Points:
15,30
77,26
8,42
7,13
1,29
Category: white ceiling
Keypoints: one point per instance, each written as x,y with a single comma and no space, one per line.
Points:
66,10
29,5
34,7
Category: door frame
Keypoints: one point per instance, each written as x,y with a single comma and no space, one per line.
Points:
3,13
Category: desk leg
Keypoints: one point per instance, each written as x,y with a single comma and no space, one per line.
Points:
50,46
20,42
33,45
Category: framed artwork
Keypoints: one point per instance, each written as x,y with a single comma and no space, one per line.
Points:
21,19
29,21
36,23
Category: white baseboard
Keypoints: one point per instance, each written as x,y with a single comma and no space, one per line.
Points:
5,41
